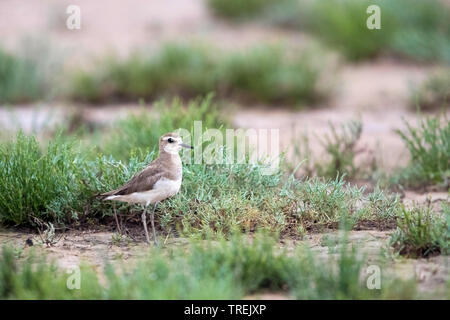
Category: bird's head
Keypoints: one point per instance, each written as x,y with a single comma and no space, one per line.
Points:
171,143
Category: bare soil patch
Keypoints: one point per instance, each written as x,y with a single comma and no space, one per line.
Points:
96,249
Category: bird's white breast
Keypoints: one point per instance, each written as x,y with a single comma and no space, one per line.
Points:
168,186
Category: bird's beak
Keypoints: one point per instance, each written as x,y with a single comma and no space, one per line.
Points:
186,146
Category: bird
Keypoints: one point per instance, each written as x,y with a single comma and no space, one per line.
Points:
159,180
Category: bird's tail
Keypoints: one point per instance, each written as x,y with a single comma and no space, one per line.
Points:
104,196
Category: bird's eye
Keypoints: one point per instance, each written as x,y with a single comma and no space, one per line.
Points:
170,140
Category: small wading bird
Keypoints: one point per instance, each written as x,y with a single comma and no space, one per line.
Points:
160,180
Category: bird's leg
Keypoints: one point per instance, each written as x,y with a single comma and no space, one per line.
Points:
117,220
152,220
144,222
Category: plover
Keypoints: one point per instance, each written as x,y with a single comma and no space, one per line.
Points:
160,180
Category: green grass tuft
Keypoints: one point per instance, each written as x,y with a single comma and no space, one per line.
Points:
421,31
21,78
270,75
340,147
342,24
175,69
214,199
421,233
413,29
429,148
37,183
239,10
141,131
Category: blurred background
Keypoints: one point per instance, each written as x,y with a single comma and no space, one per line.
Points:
308,68
363,122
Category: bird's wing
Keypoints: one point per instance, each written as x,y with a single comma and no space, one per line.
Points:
142,181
